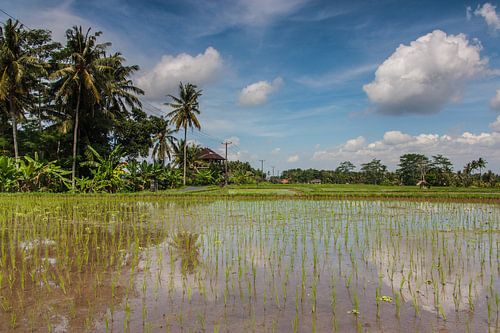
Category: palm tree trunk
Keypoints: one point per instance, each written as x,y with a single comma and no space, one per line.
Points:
185,145
75,139
14,129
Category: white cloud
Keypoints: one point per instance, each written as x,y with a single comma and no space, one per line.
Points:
353,144
460,149
57,19
468,13
495,101
336,78
488,12
495,126
395,138
217,16
276,151
293,159
261,12
424,76
164,78
257,93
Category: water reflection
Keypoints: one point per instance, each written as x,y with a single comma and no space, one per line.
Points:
186,248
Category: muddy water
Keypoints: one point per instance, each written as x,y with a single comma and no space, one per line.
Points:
122,264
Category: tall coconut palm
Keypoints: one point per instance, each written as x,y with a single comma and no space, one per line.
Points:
185,108
165,144
80,76
16,65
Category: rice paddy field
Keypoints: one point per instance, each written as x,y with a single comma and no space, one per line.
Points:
121,263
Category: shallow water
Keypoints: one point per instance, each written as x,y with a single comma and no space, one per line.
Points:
120,263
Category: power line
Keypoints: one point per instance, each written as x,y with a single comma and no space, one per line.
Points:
14,18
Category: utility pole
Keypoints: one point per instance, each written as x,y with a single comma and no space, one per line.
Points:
225,162
262,168
273,171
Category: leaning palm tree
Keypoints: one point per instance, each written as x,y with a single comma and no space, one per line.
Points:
16,65
165,144
80,77
185,108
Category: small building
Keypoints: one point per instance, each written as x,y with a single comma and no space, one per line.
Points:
208,155
315,181
284,181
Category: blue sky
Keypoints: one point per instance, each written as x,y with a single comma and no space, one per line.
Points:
309,83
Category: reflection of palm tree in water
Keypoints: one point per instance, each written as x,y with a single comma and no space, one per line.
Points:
187,249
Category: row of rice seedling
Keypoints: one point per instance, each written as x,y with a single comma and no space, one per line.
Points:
122,263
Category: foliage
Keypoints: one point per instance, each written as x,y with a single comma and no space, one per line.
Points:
31,174
412,168
242,173
374,172
8,174
107,173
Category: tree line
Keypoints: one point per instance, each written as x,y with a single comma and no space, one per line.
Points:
71,118
413,169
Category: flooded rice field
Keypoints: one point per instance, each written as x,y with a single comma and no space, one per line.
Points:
151,264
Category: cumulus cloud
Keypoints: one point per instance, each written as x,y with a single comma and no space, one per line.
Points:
495,126
165,76
395,138
422,77
495,101
460,149
257,93
489,13
353,144
293,159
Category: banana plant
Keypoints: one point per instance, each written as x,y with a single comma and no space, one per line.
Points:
107,173
37,175
8,174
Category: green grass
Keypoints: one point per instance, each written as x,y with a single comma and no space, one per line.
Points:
342,191
345,191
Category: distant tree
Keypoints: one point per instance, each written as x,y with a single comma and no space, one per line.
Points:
440,171
412,168
481,164
345,172
345,167
374,171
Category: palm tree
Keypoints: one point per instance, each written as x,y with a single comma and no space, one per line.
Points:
481,164
80,76
185,108
16,65
119,90
191,154
165,144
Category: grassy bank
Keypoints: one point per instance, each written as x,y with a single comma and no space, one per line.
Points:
355,191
